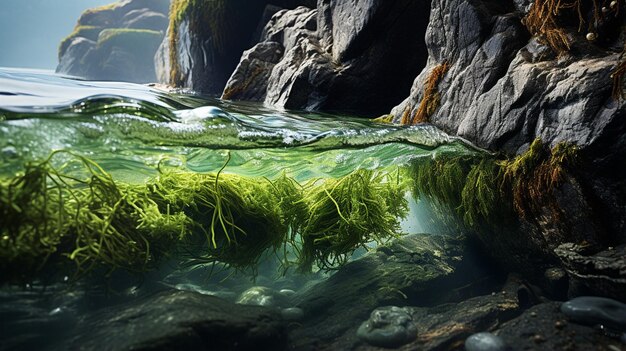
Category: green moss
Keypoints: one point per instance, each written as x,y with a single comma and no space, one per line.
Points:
133,40
88,32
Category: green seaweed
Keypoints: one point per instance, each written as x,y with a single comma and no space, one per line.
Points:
76,214
345,214
483,190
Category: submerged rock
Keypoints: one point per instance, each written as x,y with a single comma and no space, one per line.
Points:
257,296
485,342
181,320
292,313
388,327
593,310
424,269
544,327
602,273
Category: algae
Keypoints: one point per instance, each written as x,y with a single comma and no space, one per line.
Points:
76,214
347,213
431,99
88,32
549,21
484,190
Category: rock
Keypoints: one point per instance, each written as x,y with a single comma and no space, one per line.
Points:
338,58
485,342
424,269
145,19
592,310
176,319
292,314
205,56
503,90
261,296
70,63
388,327
250,79
116,42
287,292
556,281
525,331
602,273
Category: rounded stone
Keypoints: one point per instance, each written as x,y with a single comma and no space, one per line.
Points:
292,313
594,310
388,327
287,292
485,342
257,296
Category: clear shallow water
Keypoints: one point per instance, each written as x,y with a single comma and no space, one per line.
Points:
128,129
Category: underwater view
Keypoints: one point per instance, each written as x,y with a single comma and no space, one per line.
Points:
314,175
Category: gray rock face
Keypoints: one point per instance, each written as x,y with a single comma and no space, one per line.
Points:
504,89
181,320
337,57
117,42
207,51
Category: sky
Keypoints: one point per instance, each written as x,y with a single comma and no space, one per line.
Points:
31,30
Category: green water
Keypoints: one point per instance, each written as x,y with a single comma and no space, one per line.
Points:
128,129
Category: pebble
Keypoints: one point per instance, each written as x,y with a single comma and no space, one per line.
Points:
287,292
388,327
559,324
485,342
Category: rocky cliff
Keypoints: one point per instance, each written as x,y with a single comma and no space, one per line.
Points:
206,38
116,42
502,74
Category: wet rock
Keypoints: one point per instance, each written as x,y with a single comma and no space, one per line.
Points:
593,310
537,51
602,273
338,58
556,282
485,342
250,79
262,296
525,331
292,314
413,269
117,42
205,56
175,320
388,327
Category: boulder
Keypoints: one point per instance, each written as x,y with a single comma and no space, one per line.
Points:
180,320
419,269
501,89
351,56
206,39
116,42
544,327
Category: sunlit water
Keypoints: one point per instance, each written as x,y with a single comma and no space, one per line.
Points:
130,129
